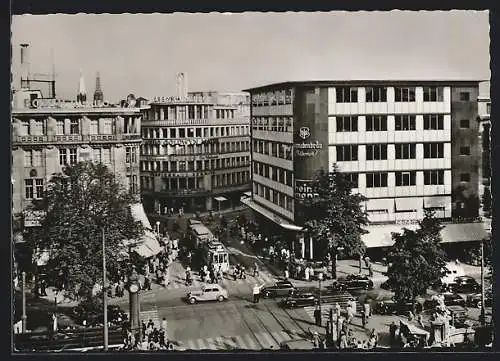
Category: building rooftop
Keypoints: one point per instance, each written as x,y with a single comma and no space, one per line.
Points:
364,82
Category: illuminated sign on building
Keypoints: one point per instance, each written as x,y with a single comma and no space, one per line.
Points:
304,189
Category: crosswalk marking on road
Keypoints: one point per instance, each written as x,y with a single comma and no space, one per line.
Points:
255,341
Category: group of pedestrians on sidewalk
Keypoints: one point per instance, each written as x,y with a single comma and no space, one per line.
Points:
153,338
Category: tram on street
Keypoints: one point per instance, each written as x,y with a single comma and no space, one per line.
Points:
216,254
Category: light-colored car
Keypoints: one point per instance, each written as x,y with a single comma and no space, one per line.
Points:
212,292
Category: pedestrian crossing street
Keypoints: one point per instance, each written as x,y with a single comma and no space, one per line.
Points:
249,341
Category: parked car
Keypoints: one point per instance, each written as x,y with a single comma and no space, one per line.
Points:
280,289
95,316
299,299
353,282
464,284
474,300
207,293
450,299
390,307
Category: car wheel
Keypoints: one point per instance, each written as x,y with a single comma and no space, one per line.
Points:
220,298
267,295
192,300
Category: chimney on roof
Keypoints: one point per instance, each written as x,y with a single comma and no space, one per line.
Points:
181,84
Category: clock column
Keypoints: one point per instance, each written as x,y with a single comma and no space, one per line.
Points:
133,288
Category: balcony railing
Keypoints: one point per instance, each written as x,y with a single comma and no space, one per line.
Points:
74,138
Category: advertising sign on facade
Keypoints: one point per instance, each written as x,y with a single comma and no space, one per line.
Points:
33,218
304,189
303,146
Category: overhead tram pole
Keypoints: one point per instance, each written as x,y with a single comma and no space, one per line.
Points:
104,292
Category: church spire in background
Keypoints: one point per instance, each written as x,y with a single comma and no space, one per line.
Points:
98,94
81,97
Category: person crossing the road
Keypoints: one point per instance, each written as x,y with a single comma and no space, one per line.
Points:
256,292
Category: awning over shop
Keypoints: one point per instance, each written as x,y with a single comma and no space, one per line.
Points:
381,235
139,215
248,194
220,199
149,245
408,204
271,216
437,202
463,232
379,204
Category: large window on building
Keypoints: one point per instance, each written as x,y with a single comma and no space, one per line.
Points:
59,126
376,123
37,157
94,126
464,96
107,125
130,155
347,124
38,127
33,188
28,158
376,151
347,94
376,180
433,150
405,150
74,126
346,153
376,94
405,122
63,156
433,121
404,94
404,179
73,156
433,94
352,178
434,177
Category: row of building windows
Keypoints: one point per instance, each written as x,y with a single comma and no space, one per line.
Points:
196,132
178,112
378,123
274,149
197,183
347,153
196,149
401,94
195,166
276,174
274,124
280,199
402,178
106,126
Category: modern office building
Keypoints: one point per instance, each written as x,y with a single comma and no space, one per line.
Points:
405,145
196,151
484,110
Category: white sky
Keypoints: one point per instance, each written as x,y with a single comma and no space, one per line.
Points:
140,54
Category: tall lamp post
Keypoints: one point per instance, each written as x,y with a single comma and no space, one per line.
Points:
24,317
320,278
133,289
104,292
158,229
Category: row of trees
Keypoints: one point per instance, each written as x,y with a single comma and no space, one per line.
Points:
80,204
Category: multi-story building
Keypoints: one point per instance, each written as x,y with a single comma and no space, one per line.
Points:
196,152
484,107
405,145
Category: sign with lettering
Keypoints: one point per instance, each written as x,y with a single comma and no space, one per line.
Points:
307,149
33,218
304,189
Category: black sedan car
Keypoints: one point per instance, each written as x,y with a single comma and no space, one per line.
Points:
299,299
390,307
464,284
95,317
450,299
474,300
280,289
353,282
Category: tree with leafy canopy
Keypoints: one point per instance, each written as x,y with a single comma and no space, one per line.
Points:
416,260
334,216
80,203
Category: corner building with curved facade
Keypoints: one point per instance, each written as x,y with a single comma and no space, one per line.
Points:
196,152
405,145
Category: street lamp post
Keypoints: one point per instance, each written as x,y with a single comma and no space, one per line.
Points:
104,292
158,228
24,317
483,315
320,278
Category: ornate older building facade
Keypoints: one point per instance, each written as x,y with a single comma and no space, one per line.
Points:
196,152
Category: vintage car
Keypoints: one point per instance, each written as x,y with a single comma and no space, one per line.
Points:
207,293
95,316
464,284
450,299
474,300
280,289
299,299
352,282
390,307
